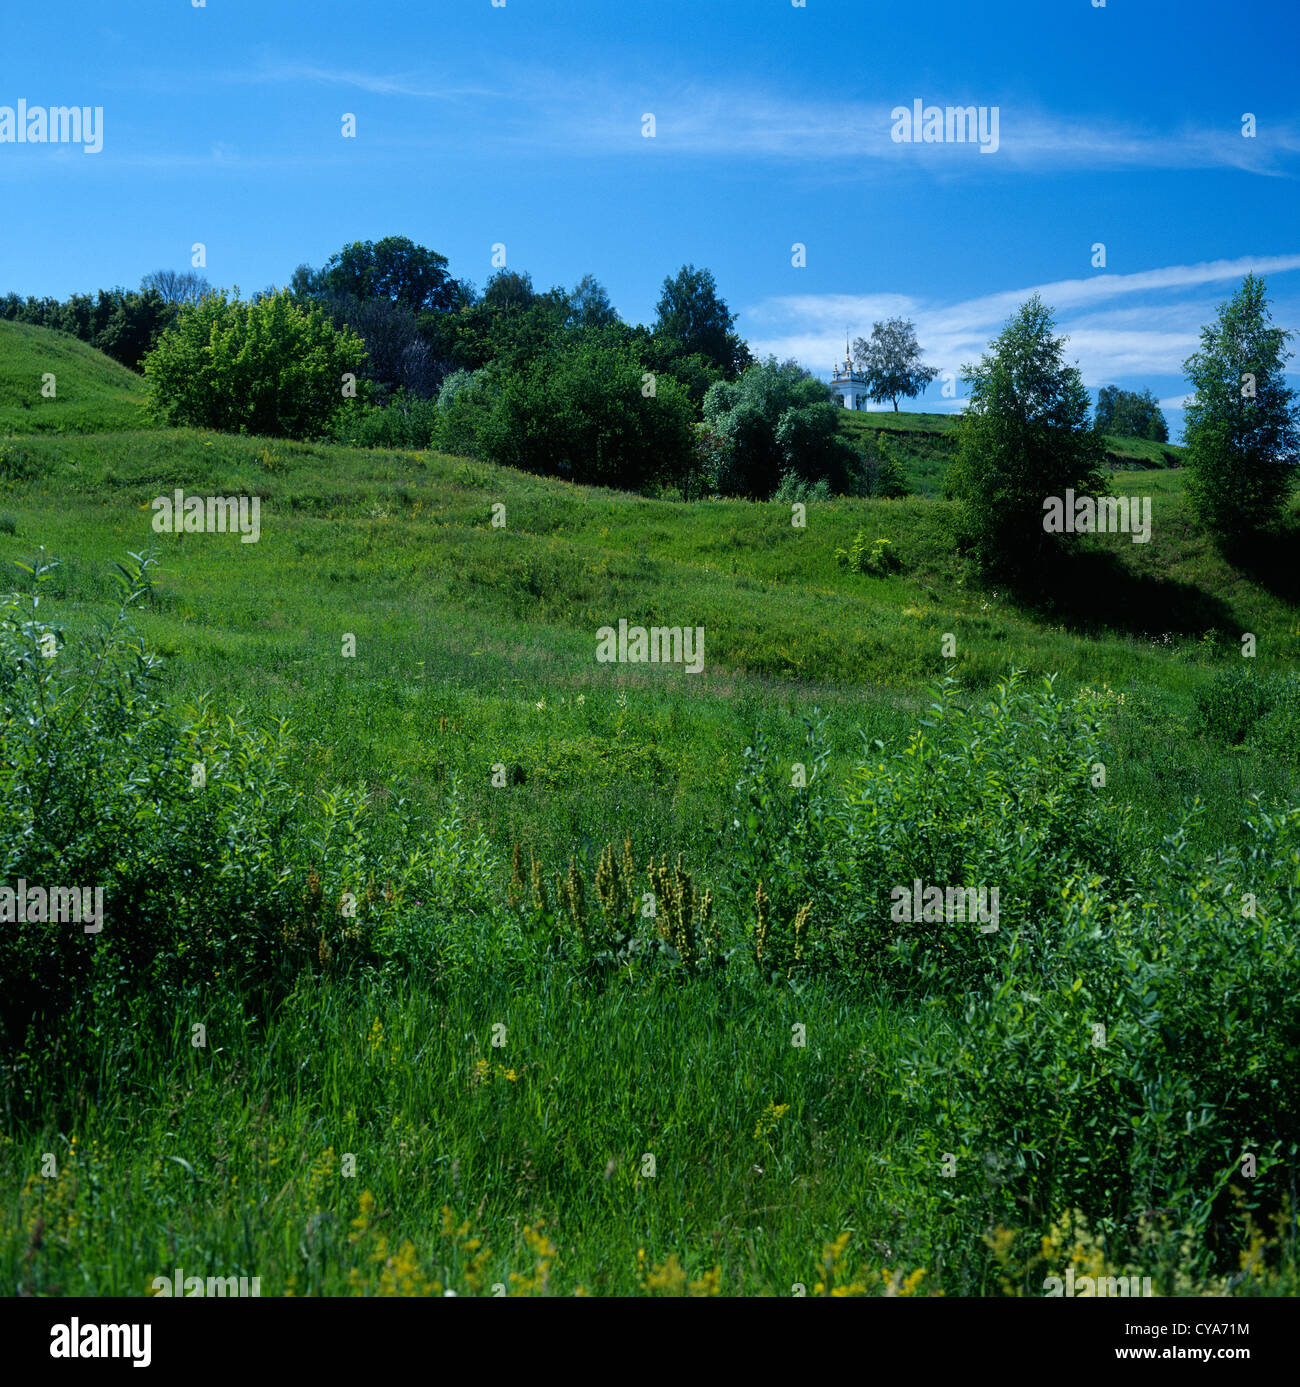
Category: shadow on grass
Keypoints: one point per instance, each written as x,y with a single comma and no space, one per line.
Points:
1092,591
1269,559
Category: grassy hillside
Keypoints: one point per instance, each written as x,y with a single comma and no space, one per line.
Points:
516,1121
475,645
93,393
926,443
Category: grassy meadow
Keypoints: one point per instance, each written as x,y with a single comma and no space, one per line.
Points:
638,1129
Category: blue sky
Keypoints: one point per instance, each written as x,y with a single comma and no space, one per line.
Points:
521,124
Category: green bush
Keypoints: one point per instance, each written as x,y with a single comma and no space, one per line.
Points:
405,422
465,405
795,488
590,413
882,474
1000,794
1129,1069
1229,705
231,873
775,419
264,367
875,556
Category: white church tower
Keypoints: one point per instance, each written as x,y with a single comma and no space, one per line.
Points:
849,384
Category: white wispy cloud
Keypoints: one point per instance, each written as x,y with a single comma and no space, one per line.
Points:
1108,337
584,114
761,124
379,84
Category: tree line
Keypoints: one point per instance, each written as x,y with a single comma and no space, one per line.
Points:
382,346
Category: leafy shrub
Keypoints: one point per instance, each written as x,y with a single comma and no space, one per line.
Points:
588,413
265,367
882,474
1131,1066
465,404
1230,703
405,422
875,556
232,872
795,488
773,420
451,923
997,795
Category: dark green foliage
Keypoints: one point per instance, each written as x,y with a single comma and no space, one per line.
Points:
404,422
998,794
398,356
881,471
1242,428
121,323
1024,437
394,270
511,325
695,321
589,412
1126,414
1232,705
775,419
1127,1074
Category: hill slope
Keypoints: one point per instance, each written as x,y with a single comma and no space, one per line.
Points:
475,643
926,443
93,393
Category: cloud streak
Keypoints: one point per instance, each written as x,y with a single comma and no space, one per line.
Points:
586,116
1108,336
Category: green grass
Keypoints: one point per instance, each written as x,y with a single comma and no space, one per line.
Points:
475,647
463,629
229,1171
93,393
